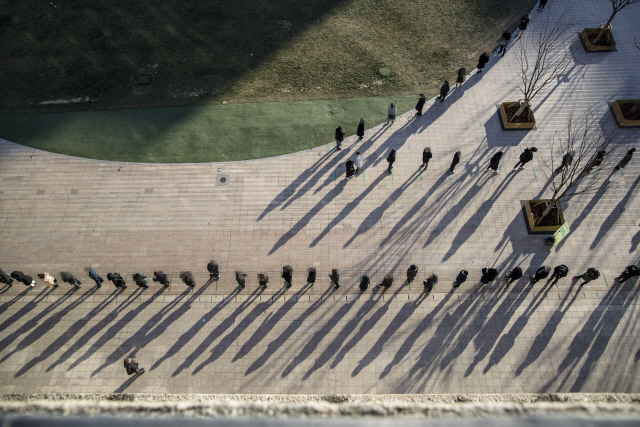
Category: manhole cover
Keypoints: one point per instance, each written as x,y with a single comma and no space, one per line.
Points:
384,71
222,179
330,113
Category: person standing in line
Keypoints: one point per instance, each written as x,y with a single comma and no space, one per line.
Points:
412,272
213,269
626,159
240,279
462,72
524,24
117,280
430,283
335,278
420,105
590,275
504,42
359,162
287,275
444,90
426,156
70,279
494,163
364,283
628,273
488,275
598,159
391,158
5,278
94,276
387,281
25,279
559,272
339,137
311,277
456,160
567,159
49,280
462,277
525,157
350,169
263,279
132,367
482,61
360,130
160,277
141,280
541,273
542,4
391,114
514,275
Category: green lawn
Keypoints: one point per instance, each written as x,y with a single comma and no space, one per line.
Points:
207,133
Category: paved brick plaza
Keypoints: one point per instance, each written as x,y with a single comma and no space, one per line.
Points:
59,213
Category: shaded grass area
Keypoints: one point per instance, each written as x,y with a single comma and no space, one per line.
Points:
193,134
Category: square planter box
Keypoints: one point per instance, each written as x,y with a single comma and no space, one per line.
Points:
617,113
607,37
531,227
515,126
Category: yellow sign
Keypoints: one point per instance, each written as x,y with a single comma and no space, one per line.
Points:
561,233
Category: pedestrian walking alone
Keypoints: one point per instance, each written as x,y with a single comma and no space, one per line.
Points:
263,279
462,277
444,90
525,157
430,283
420,105
141,280
287,275
482,61
488,275
504,42
542,4
412,272
541,273
339,137
626,159
590,275
567,159
391,114
213,269
311,277
360,130
117,280
559,272
387,281
359,162
335,278
70,279
391,158
132,367
514,275
25,279
364,283
456,160
94,276
524,24
160,277
597,161
462,72
494,163
240,279
350,169
5,278
426,156
628,273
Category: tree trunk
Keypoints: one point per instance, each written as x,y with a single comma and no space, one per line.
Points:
524,104
548,209
607,25
636,107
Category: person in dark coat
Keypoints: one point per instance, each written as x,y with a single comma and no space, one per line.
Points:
541,273
263,279
117,280
132,367
94,276
504,42
335,278
339,137
444,90
559,272
494,163
160,277
141,280
456,160
5,278
391,114
626,159
25,279
567,159
213,269
287,275
420,105
462,72
426,156
542,4
524,24
590,275
525,157
350,169
430,283
240,279
482,61
391,158
488,275
412,272
387,281
364,283
514,275
311,277
360,130
70,279
597,161
628,273
462,277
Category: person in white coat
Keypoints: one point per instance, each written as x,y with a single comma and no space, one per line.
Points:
359,162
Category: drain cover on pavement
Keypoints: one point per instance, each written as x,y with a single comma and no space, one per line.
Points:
222,179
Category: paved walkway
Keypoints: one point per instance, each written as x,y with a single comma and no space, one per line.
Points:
59,213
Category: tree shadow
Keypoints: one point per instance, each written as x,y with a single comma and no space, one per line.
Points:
497,137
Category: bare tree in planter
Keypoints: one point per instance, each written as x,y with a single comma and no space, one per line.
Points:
542,56
586,138
618,5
